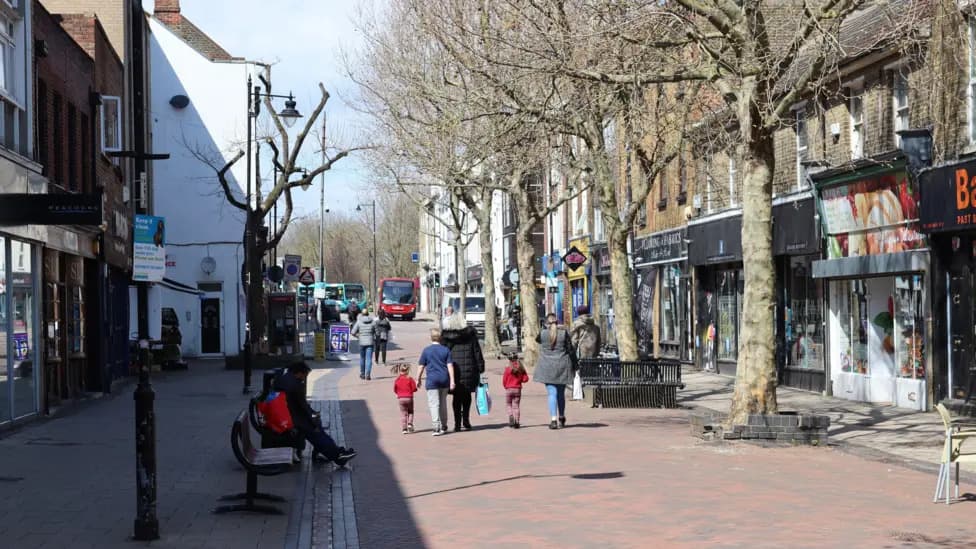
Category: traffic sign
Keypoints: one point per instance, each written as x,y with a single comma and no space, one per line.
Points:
292,265
307,277
415,257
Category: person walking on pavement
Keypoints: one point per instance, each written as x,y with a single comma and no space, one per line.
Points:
381,335
364,329
437,360
585,334
448,315
512,380
405,387
306,421
353,311
469,364
557,362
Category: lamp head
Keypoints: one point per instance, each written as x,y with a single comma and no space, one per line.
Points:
290,114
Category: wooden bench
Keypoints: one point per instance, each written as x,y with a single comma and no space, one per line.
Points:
611,383
265,462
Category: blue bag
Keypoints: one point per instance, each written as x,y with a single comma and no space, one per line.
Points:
483,398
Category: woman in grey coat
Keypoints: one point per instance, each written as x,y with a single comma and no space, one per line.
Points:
556,367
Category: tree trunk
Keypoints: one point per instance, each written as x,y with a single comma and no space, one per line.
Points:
525,254
755,380
492,345
622,282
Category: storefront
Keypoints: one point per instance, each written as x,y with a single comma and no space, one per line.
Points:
20,333
602,307
799,296
876,270
715,252
661,261
576,261
948,214
473,276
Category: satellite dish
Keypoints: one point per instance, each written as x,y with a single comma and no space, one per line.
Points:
208,265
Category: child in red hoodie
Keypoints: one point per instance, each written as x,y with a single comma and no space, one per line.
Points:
404,387
513,378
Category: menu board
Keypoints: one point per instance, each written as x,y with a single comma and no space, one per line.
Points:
874,215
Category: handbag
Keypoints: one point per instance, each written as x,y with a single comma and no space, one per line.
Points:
483,398
275,412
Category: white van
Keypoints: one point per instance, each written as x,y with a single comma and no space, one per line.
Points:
474,309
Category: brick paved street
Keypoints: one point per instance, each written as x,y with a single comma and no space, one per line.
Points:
620,478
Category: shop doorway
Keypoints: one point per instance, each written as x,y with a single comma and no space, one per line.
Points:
210,326
961,361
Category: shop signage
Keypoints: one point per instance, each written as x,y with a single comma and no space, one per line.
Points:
644,311
718,241
338,338
475,273
795,228
876,214
149,249
658,247
574,259
948,198
601,258
51,209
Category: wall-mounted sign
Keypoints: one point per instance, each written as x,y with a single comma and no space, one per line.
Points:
663,246
51,209
474,273
601,259
149,249
873,215
795,228
574,259
948,198
718,241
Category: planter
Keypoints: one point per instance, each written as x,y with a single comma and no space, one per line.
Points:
785,427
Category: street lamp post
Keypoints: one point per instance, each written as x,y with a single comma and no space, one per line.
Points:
359,208
288,115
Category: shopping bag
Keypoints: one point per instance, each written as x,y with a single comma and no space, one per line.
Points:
483,398
577,387
275,412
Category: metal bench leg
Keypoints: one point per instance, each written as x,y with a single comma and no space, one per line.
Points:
938,483
249,497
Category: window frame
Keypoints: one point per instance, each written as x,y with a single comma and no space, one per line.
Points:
106,99
802,146
900,115
855,104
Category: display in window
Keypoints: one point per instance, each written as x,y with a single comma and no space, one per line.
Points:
908,339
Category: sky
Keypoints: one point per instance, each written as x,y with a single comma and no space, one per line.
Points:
303,38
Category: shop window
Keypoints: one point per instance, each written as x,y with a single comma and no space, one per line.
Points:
670,298
802,317
76,321
729,310
5,329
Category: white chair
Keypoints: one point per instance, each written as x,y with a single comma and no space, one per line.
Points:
952,453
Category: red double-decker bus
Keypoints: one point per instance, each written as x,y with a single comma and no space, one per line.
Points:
398,297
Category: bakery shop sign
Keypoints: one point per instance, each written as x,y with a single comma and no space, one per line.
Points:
877,214
948,198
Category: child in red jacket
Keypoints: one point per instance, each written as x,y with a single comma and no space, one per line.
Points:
405,387
513,378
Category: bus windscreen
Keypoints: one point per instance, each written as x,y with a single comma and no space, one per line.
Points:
398,292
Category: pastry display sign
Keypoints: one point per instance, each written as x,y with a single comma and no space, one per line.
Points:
948,198
877,214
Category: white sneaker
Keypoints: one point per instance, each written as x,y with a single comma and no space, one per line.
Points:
438,432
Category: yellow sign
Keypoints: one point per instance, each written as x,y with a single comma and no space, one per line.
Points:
583,246
319,345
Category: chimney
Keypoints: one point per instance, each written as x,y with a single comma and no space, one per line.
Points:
167,11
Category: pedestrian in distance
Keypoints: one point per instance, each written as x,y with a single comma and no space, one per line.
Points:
448,315
555,369
585,334
436,360
381,336
469,364
353,311
364,329
306,421
512,380
405,387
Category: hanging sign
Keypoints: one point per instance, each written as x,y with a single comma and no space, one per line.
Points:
574,259
149,248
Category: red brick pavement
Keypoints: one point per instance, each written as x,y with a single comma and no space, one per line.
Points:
618,478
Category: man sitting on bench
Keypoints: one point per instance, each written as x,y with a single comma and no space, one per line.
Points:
306,421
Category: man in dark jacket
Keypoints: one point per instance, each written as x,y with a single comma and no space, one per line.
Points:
469,364
307,422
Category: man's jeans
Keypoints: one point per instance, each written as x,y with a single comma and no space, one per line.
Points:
365,360
323,443
437,402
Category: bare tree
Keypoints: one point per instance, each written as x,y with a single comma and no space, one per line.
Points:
285,150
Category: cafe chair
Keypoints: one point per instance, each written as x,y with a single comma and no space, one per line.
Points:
952,453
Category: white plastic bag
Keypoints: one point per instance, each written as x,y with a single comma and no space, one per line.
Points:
577,387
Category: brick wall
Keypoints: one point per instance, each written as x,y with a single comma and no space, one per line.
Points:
111,13
65,78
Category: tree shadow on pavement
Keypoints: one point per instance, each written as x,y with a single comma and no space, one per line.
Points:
382,514
580,476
